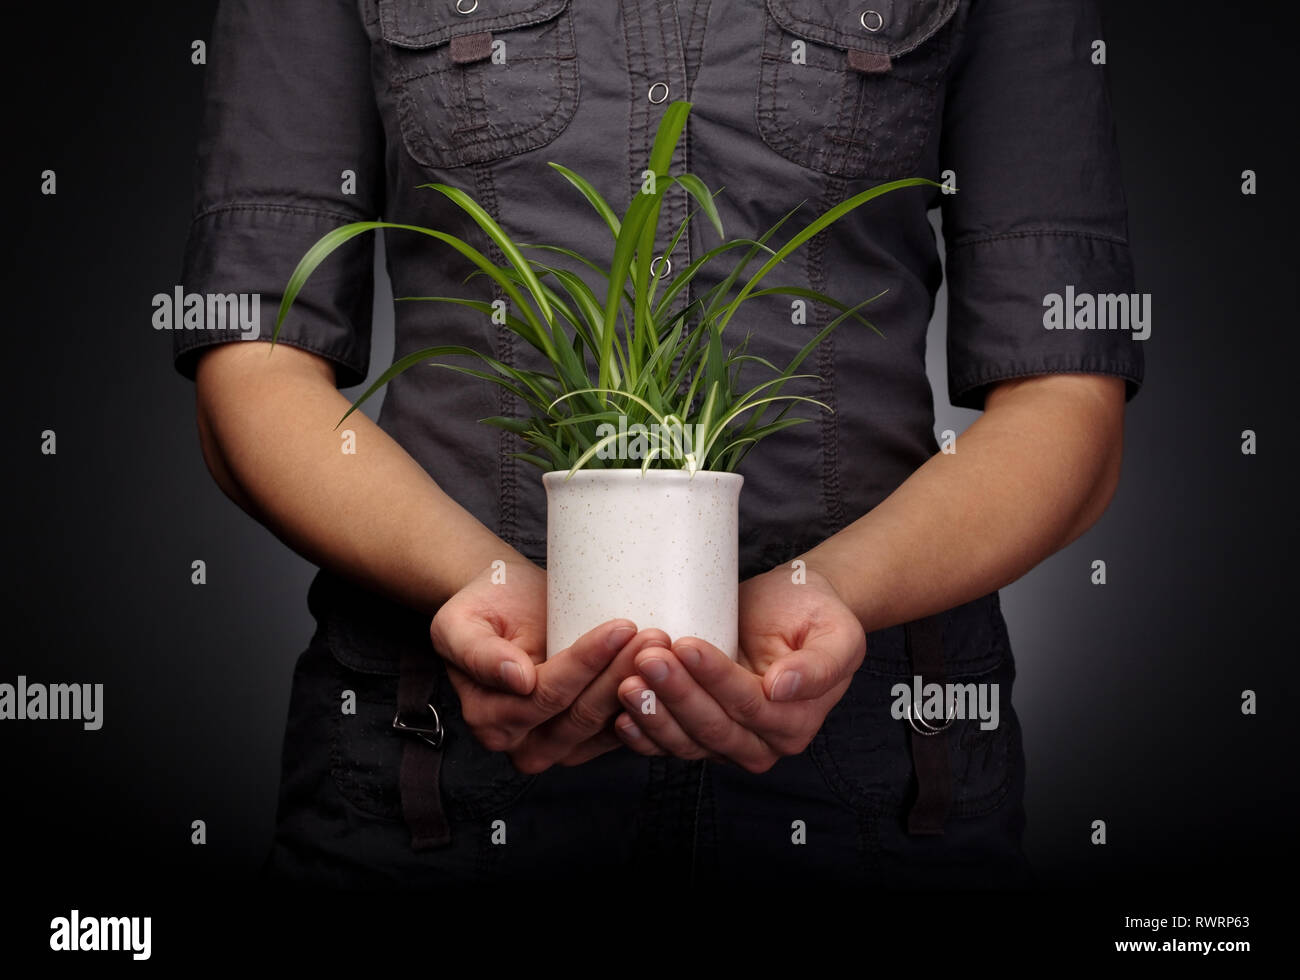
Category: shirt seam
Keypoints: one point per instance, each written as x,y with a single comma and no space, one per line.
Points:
343,358
1071,365
1011,235
831,490
507,470
278,209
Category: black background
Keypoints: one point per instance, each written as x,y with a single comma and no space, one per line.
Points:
1129,693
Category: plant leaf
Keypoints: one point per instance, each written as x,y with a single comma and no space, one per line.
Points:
814,227
593,197
502,240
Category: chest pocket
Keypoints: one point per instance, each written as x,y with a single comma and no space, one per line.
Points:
479,80
852,89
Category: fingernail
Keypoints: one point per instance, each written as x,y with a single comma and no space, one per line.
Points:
630,730
618,637
512,676
655,670
690,656
787,686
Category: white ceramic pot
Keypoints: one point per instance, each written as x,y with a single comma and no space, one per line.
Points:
659,549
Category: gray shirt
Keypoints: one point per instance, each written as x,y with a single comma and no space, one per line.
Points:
794,100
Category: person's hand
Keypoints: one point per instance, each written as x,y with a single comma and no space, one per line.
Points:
799,648
492,635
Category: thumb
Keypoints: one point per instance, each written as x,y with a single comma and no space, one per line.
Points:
815,669
489,658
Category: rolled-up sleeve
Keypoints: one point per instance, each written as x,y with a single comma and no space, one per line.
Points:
291,146
1039,212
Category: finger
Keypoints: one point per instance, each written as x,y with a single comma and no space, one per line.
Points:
593,709
506,719
562,678
634,738
817,668
460,681
470,643
652,716
697,712
480,709
736,689
783,728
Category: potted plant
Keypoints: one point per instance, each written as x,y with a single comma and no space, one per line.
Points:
640,420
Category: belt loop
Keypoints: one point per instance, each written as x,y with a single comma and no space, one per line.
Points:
929,748
422,754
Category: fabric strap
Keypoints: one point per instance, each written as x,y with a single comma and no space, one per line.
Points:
468,48
421,761
929,752
869,62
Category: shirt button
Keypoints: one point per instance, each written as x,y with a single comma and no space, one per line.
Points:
466,6
661,267
658,92
872,20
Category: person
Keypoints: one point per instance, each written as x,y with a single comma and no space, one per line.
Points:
428,738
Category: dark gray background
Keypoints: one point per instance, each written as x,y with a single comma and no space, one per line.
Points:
1129,694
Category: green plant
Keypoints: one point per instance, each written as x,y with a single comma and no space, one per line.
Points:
654,359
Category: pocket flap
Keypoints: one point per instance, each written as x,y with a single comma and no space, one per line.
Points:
427,23
904,25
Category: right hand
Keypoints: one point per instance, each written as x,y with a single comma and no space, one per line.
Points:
539,712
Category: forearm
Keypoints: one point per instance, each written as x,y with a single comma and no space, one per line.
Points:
1029,476
267,427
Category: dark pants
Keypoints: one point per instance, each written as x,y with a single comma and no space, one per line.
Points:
836,812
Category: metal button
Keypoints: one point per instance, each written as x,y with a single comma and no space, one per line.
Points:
466,6
661,266
658,91
872,20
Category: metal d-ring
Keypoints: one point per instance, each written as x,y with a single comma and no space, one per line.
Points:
933,730
432,733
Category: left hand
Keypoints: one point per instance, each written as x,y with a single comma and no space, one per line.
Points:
799,648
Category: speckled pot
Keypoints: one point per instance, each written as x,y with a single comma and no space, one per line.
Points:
659,549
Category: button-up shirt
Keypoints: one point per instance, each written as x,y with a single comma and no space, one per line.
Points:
321,112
